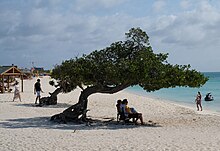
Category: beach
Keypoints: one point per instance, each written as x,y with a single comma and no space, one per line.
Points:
168,126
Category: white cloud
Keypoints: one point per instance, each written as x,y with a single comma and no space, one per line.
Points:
185,4
159,5
47,31
189,28
86,5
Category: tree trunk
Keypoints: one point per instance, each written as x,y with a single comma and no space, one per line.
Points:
77,112
50,100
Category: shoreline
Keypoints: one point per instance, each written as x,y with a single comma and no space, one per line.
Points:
181,104
26,127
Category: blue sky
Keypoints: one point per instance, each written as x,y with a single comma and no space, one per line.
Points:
48,32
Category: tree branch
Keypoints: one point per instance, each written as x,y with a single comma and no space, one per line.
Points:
111,90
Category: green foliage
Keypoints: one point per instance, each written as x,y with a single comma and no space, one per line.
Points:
130,62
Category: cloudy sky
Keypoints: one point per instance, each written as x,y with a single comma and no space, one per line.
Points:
46,32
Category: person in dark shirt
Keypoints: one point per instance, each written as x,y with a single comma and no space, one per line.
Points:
37,90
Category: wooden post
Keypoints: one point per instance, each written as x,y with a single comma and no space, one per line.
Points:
3,85
8,83
22,83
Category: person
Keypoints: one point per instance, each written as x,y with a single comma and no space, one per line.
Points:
132,113
198,101
210,97
37,90
16,91
118,106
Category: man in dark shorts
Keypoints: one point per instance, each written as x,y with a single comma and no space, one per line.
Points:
37,90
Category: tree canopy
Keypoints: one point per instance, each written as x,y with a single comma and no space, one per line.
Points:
114,68
126,63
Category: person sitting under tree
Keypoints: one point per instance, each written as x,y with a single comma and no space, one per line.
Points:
132,113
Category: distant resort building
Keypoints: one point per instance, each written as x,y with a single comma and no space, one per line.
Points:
27,74
37,71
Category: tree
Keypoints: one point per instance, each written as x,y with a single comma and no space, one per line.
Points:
119,66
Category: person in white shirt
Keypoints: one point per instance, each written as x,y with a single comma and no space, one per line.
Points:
16,91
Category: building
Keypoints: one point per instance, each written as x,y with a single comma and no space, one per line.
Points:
7,75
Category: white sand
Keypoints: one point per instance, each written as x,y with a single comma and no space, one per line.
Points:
24,127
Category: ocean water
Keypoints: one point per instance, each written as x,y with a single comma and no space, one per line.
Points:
186,95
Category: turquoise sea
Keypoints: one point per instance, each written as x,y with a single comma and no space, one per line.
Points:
186,95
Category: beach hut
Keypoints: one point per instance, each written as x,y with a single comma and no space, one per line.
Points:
5,73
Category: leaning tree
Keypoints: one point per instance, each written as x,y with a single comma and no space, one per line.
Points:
119,66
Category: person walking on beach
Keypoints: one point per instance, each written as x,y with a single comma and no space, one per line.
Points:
16,91
37,90
199,101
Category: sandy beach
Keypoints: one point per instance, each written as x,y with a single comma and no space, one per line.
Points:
24,127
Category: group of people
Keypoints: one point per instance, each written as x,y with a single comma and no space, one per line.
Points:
122,106
131,113
37,91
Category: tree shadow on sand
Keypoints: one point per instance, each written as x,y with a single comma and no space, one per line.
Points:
58,105
45,123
